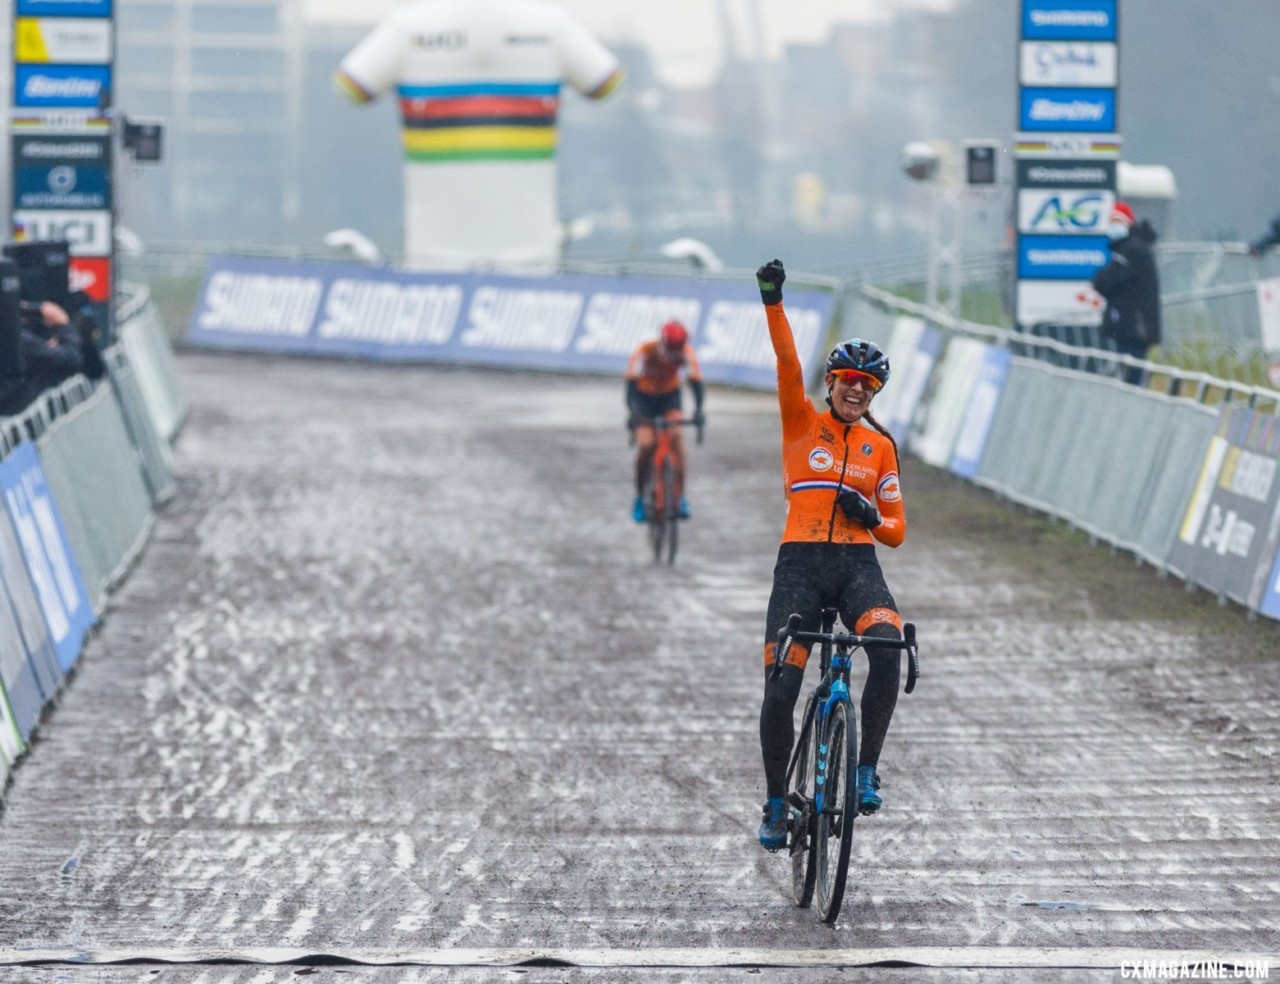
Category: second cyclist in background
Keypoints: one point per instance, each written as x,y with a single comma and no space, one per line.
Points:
653,391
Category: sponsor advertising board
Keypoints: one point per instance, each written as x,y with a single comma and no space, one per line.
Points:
1064,211
1059,302
59,86
64,8
1067,110
1269,313
62,186
1059,175
980,414
1066,151
63,52
1068,63
1069,20
1061,257
62,40
1229,535
88,233
52,569
571,323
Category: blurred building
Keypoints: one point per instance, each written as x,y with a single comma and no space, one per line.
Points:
243,89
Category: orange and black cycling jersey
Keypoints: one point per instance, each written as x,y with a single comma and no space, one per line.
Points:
822,456
655,373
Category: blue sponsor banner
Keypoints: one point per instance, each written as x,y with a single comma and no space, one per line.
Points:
63,186
18,594
17,671
971,439
1054,110
1069,20
1061,257
51,567
64,8
910,381
568,323
1270,605
62,86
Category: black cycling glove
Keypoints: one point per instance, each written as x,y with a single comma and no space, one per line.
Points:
769,279
859,508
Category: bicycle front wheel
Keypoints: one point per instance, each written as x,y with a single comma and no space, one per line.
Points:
833,840
800,800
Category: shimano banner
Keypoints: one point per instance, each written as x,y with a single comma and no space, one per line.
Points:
569,323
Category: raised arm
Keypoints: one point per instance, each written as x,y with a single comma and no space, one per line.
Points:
793,402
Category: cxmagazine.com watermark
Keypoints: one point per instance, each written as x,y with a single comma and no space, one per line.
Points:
1204,970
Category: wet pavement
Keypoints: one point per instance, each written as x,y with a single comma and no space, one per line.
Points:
397,693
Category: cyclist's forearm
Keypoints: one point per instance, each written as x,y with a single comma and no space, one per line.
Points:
696,386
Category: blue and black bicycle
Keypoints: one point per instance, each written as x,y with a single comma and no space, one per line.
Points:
821,776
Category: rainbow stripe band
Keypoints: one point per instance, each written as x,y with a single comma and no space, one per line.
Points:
481,121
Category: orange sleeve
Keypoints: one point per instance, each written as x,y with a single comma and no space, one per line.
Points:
893,530
793,401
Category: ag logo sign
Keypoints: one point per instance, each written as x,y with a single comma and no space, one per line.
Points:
1064,210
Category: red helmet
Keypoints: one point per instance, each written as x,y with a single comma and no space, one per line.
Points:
674,335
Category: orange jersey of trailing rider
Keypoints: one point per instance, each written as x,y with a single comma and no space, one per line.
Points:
656,373
822,456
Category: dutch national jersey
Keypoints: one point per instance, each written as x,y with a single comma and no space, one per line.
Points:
821,457
479,83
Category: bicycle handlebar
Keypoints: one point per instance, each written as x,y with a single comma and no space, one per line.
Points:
790,633
662,423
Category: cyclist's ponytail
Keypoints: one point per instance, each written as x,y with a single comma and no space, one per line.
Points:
897,460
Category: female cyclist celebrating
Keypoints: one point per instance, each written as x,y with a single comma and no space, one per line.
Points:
840,473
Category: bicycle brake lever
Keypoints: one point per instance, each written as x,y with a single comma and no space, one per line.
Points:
784,644
913,656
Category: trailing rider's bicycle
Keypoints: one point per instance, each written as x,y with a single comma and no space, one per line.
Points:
661,493
821,787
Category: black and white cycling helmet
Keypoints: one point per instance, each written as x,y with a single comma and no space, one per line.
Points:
859,354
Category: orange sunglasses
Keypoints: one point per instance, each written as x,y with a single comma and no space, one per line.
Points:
851,376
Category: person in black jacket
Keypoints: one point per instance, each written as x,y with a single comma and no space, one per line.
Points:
51,346
1130,284
1265,242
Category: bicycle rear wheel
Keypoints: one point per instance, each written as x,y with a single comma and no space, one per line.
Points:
671,508
833,841
800,799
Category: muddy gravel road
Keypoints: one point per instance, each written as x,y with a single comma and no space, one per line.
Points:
396,693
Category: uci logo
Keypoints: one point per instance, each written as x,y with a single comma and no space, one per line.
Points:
820,459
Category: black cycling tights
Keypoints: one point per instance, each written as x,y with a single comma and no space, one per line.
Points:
809,576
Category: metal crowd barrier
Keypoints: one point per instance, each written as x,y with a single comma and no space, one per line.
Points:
1180,468
83,469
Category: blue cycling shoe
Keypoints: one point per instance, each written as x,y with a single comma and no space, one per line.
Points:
637,509
773,828
684,508
869,799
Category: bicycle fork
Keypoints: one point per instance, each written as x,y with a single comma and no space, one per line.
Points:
838,694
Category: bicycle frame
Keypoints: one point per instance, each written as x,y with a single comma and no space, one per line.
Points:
821,828
662,505
836,654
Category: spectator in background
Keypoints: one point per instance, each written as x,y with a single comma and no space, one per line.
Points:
1264,243
90,334
1130,284
51,346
